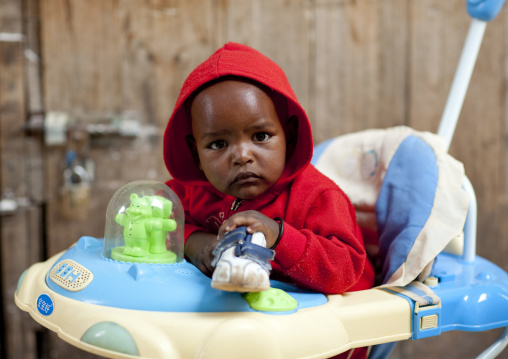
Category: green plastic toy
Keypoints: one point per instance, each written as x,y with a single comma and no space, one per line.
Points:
146,225
271,300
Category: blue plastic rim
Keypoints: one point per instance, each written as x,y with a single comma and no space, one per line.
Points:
474,297
178,287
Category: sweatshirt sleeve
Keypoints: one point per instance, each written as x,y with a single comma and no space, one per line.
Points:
327,254
182,193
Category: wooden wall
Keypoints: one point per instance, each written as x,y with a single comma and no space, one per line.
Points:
21,170
354,64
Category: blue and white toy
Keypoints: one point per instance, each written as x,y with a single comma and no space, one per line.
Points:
123,302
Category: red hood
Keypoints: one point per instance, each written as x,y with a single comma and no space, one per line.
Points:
237,60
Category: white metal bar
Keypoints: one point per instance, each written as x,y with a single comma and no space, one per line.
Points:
461,81
469,252
496,348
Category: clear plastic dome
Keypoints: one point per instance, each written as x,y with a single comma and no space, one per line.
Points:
144,223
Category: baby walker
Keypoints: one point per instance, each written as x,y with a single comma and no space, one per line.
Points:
132,294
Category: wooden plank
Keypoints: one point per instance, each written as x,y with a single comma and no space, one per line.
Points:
146,51
20,232
10,16
16,245
438,30
360,66
81,57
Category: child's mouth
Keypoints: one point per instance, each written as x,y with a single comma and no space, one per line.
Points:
245,177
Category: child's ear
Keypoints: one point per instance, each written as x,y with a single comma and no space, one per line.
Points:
291,132
191,143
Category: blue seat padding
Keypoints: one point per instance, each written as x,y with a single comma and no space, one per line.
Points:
405,201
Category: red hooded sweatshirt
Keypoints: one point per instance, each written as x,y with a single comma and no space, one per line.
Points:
321,246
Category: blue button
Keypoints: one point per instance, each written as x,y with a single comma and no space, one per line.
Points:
45,304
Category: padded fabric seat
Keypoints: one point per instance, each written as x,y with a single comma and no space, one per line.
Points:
404,187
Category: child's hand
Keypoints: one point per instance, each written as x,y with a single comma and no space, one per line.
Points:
199,248
254,221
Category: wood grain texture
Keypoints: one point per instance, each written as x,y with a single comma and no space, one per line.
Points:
18,249
360,66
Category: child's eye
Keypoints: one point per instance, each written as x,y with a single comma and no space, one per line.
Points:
217,145
261,136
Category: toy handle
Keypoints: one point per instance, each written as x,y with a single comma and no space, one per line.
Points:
481,11
484,10
461,80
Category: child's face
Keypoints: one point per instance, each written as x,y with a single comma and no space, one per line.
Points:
240,141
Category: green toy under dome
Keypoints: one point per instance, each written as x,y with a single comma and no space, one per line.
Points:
144,224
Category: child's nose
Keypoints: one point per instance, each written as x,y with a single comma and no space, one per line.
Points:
242,154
